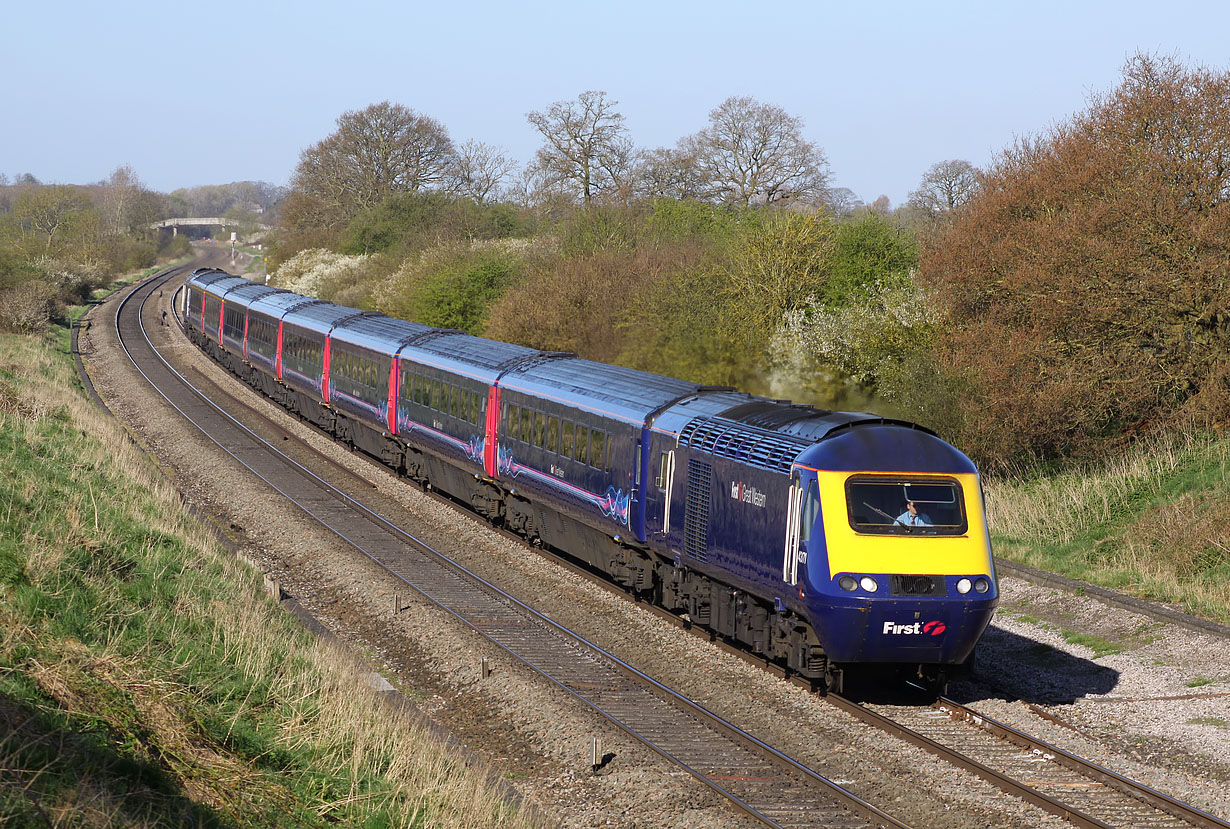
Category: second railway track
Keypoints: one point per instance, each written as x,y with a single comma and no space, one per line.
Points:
754,777
760,781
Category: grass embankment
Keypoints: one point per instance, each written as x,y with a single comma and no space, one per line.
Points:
1154,523
145,679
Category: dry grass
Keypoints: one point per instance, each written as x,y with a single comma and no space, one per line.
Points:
177,665
1151,521
1058,508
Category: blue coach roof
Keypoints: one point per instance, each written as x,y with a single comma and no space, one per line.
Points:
277,305
243,295
622,393
219,287
378,332
467,355
320,317
206,276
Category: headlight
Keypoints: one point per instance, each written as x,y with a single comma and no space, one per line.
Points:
982,585
847,582
869,584
963,586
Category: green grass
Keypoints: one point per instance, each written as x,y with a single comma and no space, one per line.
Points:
1200,682
1149,523
1100,647
1217,721
144,677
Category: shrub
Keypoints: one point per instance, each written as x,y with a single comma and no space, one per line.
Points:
318,273
460,297
1086,283
27,307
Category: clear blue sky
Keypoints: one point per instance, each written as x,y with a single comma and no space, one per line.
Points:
213,92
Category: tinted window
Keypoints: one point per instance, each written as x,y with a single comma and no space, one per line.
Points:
882,505
582,453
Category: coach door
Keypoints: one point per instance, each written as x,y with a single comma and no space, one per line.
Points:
666,483
801,513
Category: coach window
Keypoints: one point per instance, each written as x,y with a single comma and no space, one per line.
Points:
597,449
540,429
582,453
553,434
527,426
566,432
454,396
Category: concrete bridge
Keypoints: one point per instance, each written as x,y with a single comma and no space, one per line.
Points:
176,224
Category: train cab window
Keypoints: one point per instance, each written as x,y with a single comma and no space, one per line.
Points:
896,506
582,453
566,435
663,467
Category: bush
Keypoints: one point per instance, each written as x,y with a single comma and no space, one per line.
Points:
27,307
1086,283
460,297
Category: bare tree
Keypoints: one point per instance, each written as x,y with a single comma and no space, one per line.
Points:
585,146
945,186
480,169
666,173
375,152
119,193
755,153
842,201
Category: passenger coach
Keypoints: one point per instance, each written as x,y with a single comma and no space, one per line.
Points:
819,539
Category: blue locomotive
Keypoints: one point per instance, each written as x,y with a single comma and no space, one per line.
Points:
817,539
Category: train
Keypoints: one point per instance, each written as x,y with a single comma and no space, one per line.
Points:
819,540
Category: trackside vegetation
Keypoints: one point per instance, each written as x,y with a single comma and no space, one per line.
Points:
144,677
1149,521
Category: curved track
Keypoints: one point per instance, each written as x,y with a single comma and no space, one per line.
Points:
752,775
755,778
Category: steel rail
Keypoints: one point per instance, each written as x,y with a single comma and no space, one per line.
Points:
588,692
1154,799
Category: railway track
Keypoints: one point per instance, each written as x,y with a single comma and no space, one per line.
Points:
753,776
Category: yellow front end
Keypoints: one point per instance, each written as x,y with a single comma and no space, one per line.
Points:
850,551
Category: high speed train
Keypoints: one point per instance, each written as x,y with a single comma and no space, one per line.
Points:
818,539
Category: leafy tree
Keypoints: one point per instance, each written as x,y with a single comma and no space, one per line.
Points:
48,214
374,152
869,250
778,269
1086,283
755,153
585,145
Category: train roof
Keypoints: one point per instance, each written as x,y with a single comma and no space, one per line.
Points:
279,304
248,292
621,393
377,332
320,317
881,445
467,355
206,276
219,287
